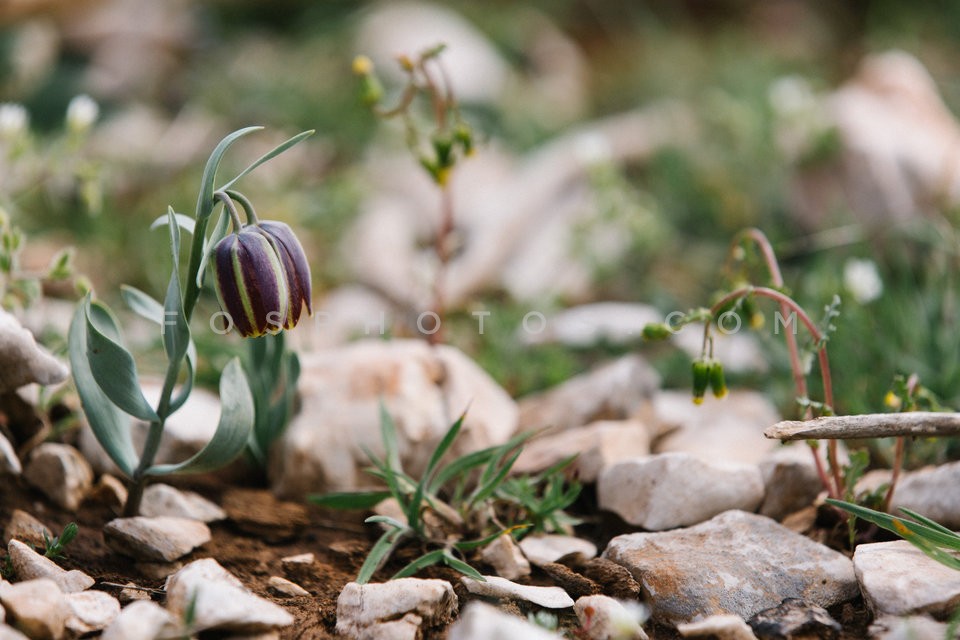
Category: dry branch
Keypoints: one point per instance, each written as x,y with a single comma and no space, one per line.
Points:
869,425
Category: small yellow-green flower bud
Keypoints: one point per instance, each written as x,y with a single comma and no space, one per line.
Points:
464,136
701,379
656,331
362,66
718,385
892,401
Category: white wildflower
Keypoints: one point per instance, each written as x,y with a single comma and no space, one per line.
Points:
14,120
862,280
82,112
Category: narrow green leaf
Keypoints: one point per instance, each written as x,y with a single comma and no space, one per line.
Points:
178,401
910,531
218,234
393,522
933,525
184,221
379,554
444,445
176,330
297,139
461,466
486,490
355,500
114,369
462,567
142,304
470,545
233,431
205,201
428,559
110,426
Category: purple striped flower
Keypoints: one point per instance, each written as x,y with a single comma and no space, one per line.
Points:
295,265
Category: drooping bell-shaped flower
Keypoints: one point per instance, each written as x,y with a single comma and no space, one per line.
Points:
251,282
295,265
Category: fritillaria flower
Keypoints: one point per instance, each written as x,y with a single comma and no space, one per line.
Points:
262,278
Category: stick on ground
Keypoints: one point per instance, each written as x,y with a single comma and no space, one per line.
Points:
868,425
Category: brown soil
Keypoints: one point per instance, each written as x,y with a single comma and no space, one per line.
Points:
261,531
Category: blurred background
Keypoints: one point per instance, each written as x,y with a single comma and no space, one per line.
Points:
621,146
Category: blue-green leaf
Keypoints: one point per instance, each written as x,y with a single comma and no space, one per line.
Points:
233,431
184,221
187,387
110,426
297,139
219,233
113,367
351,500
205,201
142,304
176,331
379,554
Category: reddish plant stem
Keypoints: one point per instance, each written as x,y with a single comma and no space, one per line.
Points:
759,238
834,489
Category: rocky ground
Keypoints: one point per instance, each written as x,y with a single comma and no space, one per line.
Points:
691,518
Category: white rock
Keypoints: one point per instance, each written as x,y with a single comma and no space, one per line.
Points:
908,628
164,500
143,620
481,621
730,429
301,559
896,578
598,446
616,390
676,489
132,592
220,601
36,607
285,587
737,563
91,611
29,565
22,360
61,473
497,587
790,481
9,633
362,607
930,493
424,388
589,324
25,528
155,539
896,137
505,557
550,547
9,462
719,627
477,70
111,491
604,618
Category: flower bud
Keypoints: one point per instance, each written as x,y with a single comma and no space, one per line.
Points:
701,379
656,331
251,282
718,385
295,266
82,112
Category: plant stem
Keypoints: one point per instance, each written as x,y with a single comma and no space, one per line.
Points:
835,488
759,238
191,295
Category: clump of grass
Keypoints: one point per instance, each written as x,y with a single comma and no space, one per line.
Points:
458,507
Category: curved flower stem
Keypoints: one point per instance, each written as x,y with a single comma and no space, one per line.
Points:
834,489
244,202
231,208
759,238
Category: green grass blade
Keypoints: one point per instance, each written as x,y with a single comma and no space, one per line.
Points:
349,500
462,567
930,523
379,554
426,560
425,480
485,491
910,531
470,545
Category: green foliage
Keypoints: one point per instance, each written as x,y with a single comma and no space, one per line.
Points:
56,546
273,371
18,288
934,540
105,371
450,502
